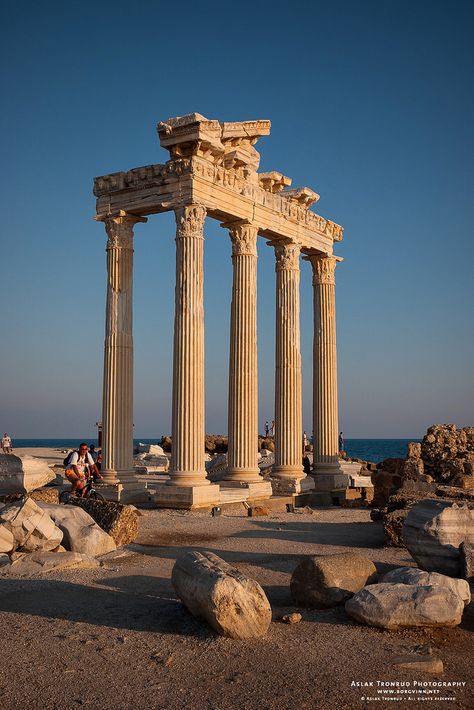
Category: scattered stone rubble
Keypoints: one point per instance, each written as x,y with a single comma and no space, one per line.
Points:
38,535
446,455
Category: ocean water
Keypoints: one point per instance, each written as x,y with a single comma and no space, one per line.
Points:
367,449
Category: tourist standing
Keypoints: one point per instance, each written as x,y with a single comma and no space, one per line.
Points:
272,428
305,441
6,444
341,441
267,429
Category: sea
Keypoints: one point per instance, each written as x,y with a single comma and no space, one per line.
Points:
374,450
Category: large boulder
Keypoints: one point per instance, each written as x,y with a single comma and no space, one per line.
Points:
116,519
433,531
448,452
413,575
231,603
22,474
396,606
42,562
328,580
81,533
32,528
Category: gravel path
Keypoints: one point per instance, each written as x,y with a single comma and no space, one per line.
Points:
117,637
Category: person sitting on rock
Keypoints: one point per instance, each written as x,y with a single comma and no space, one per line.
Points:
80,468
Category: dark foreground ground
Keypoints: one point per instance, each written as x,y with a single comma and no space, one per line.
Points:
117,637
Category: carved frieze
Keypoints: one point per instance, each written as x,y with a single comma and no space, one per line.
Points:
190,221
287,257
244,238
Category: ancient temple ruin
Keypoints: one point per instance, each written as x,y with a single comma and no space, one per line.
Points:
213,172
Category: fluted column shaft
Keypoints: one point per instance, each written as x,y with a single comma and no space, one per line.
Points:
243,366
187,456
288,396
117,412
325,411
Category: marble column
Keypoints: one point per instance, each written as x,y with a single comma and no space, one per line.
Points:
288,468
325,414
187,456
117,413
243,367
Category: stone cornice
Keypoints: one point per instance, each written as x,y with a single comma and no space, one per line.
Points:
117,187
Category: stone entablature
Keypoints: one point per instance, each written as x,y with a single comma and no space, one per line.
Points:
216,165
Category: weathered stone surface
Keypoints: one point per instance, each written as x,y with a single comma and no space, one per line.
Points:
447,452
433,531
396,606
81,533
32,528
4,559
42,562
393,525
118,520
7,541
328,580
466,559
231,603
423,664
21,474
413,575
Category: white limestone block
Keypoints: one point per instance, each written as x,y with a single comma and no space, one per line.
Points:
81,533
433,531
42,562
31,527
7,541
397,606
22,474
211,589
413,575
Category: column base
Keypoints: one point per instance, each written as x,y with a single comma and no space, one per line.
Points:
256,490
168,495
243,475
292,485
330,475
120,486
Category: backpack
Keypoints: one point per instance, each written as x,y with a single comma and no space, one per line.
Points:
68,457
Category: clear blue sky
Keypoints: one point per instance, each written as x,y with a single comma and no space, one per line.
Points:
371,105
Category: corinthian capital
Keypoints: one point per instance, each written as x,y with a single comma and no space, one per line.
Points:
190,221
324,268
119,228
244,238
287,257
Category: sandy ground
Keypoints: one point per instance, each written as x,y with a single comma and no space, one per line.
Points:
117,637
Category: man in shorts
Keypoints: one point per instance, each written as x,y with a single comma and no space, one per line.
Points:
6,444
80,468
